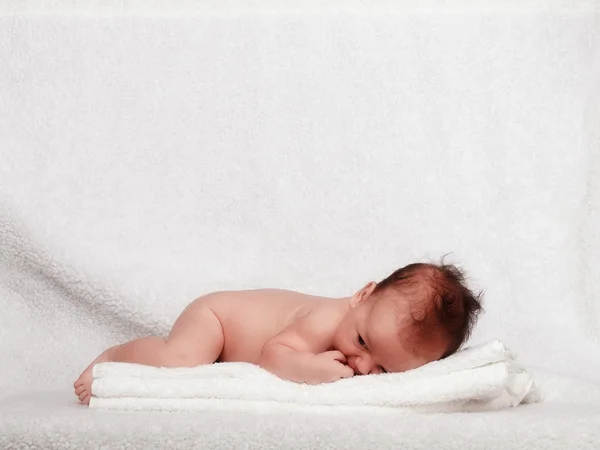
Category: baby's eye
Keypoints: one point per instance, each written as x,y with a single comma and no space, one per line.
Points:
361,341
382,369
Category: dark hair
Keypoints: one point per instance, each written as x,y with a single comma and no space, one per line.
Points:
440,302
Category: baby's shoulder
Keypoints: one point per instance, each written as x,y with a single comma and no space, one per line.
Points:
314,314
314,323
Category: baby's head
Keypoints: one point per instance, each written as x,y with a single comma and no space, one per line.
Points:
420,313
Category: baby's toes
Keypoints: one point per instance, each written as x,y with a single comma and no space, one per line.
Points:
82,395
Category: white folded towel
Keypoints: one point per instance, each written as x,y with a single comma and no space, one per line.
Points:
481,377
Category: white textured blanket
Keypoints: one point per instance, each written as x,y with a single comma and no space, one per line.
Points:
147,160
479,378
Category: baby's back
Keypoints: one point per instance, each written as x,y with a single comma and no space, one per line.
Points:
250,318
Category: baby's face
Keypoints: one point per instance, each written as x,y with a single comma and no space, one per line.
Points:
370,336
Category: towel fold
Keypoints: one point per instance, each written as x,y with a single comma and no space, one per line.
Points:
486,376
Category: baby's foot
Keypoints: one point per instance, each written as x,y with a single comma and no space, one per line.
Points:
83,385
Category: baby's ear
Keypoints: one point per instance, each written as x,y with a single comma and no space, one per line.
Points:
364,294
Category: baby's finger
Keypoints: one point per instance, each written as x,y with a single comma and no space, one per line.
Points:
347,372
338,356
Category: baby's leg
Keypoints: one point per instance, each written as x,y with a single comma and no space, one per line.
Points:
196,338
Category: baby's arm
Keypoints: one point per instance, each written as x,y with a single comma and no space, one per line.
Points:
289,355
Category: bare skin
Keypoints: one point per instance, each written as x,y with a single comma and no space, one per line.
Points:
298,337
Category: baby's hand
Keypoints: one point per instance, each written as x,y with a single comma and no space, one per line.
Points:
329,366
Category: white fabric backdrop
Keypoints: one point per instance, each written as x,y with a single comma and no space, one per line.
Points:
145,161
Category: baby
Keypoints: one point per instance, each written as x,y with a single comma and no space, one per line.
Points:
420,313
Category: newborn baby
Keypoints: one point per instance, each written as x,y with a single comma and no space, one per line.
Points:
420,313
